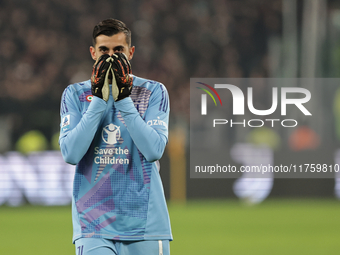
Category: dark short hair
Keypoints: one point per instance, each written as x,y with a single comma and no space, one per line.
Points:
111,27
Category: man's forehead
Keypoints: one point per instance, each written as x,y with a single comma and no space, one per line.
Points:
117,39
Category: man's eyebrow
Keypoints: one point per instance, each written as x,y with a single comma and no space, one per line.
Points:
103,48
119,47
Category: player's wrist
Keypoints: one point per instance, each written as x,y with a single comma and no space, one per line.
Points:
98,98
96,106
125,104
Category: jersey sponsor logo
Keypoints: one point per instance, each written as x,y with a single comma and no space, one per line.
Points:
157,122
65,123
111,134
111,160
111,156
89,98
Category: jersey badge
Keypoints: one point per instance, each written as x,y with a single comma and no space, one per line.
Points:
89,98
111,134
65,123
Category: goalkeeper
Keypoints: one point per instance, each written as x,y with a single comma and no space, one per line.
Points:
114,127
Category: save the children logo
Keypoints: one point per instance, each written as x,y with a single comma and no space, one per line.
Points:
111,134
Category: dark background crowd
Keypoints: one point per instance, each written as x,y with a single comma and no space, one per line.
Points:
45,47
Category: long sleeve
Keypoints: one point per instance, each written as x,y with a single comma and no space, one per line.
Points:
78,129
150,132
117,191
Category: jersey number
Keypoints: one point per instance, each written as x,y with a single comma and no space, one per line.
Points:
80,250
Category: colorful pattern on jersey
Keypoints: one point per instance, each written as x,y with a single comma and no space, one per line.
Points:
82,97
117,193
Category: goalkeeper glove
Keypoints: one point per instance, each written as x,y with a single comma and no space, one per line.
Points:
121,70
100,77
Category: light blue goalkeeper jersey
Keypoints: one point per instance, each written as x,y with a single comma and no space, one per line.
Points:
117,190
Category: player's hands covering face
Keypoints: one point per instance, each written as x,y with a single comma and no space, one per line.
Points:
100,77
121,69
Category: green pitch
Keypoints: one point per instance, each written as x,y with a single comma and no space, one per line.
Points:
199,227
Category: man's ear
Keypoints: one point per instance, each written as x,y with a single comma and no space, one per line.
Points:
131,52
93,53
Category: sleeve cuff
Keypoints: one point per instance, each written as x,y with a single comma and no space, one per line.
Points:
125,105
97,105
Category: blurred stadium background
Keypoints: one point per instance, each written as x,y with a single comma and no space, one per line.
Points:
44,47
